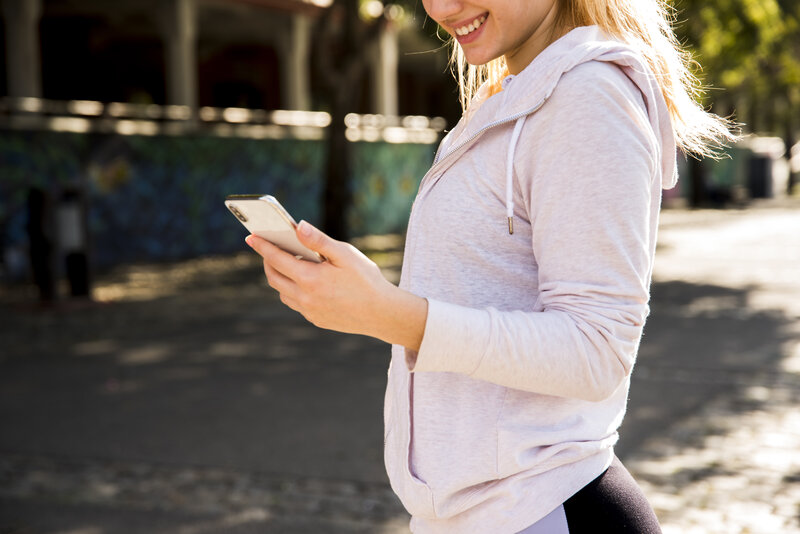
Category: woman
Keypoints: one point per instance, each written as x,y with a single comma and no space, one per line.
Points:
527,268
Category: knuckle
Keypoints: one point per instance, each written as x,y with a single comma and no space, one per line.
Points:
313,319
300,278
270,278
306,301
310,291
306,280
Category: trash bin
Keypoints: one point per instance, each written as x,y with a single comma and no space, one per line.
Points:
759,179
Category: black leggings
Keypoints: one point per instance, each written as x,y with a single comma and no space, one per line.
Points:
613,502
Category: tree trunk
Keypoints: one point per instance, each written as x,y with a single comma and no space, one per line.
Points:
337,196
341,46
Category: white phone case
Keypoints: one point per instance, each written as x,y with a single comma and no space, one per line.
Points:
263,216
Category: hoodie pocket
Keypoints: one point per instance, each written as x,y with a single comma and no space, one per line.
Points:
453,446
414,493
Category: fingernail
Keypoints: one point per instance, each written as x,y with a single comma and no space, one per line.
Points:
249,240
305,228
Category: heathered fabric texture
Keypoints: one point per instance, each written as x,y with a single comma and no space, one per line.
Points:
513,402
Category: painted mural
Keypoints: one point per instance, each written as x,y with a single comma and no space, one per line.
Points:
160,198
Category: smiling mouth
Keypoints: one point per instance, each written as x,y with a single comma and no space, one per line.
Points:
466,29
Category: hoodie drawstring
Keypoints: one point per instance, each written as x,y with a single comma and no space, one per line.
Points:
510,173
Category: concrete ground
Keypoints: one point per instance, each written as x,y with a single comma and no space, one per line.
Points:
189,400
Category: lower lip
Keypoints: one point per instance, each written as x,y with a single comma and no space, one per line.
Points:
466,39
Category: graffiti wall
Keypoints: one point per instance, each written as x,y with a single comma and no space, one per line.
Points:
160,197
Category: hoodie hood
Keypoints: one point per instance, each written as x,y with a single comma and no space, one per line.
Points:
527,91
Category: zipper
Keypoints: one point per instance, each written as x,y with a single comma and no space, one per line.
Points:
437,161
488,126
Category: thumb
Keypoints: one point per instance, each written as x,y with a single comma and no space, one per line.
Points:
318,241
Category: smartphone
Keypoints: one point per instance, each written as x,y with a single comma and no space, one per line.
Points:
264,216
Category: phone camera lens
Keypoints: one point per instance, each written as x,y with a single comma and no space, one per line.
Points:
239,214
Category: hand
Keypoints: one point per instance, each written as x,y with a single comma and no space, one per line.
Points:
346,293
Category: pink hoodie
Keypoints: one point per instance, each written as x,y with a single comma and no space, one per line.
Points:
513,402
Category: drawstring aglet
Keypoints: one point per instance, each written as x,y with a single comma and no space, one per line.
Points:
511,225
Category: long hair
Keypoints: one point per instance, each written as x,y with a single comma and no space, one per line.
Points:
646,26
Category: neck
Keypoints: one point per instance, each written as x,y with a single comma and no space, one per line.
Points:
543,36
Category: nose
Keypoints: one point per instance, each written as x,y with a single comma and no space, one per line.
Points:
441,10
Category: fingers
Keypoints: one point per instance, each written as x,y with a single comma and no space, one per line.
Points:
277,281
283,271
319,241
287,289
279,259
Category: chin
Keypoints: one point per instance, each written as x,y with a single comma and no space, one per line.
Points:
479,59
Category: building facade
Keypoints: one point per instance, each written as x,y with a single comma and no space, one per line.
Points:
219,53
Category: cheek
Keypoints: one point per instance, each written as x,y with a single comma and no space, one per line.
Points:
432,9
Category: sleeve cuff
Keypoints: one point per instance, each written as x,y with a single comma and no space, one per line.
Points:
455,340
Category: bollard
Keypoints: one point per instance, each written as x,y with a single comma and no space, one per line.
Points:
71,221
41,245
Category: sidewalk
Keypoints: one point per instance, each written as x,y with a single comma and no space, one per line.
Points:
193,402
726,319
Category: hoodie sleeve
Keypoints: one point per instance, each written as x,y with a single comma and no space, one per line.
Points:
587,163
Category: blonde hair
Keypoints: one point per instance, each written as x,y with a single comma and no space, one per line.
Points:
646,26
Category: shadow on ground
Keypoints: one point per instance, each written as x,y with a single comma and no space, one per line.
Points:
701,343
197,383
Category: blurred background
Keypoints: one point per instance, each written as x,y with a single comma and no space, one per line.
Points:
149,382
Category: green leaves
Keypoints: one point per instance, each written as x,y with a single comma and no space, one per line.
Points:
750,56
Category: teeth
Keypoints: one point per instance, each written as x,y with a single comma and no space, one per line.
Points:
474,25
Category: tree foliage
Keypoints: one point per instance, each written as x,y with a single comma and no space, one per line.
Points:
750,56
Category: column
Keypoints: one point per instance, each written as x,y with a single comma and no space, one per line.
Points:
23,58
180,34
296,79
385,73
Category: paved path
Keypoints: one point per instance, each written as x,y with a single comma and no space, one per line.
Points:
726,318
193,402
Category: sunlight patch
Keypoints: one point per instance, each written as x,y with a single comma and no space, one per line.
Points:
144,355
